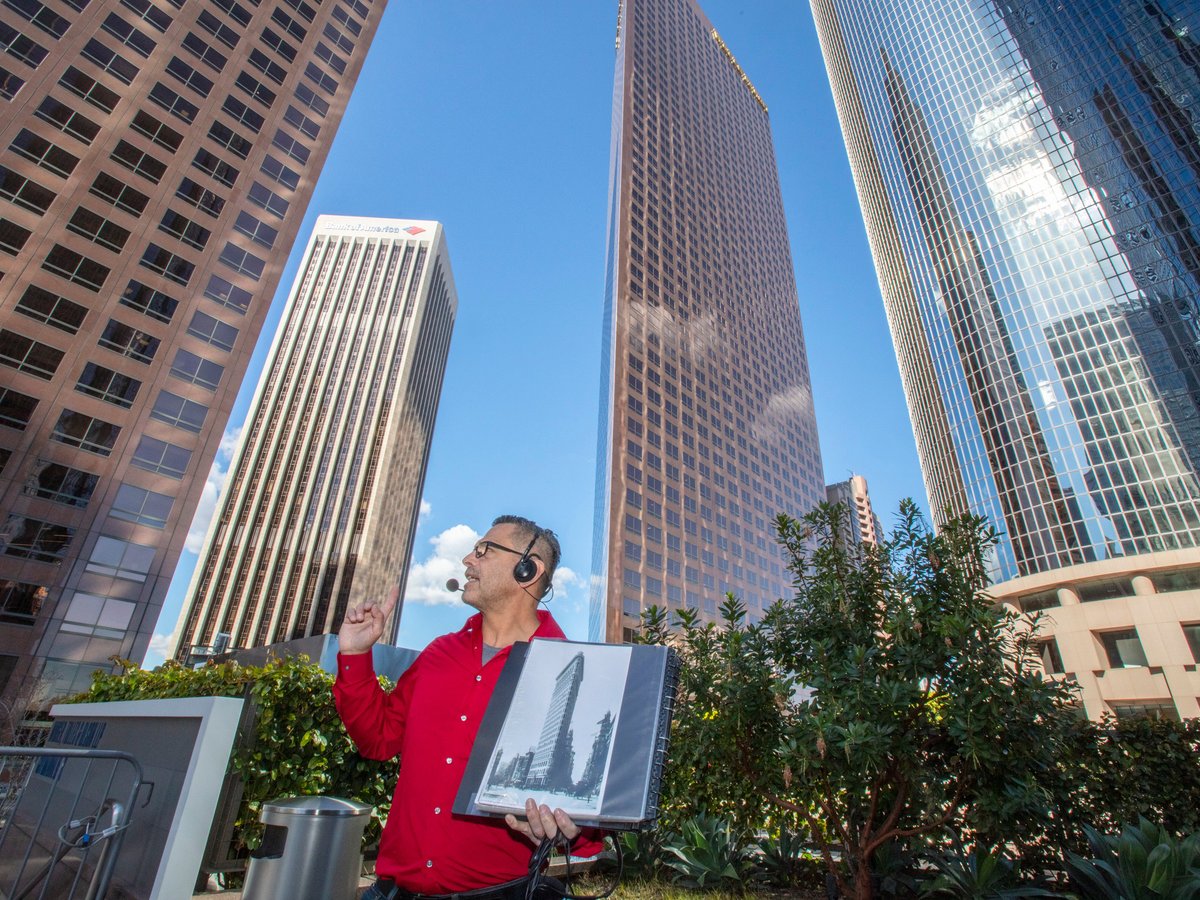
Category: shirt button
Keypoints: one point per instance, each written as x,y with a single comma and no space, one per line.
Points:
429,863
448,760
479,678
437,810
462,718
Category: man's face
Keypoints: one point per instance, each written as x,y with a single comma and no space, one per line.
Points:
490,577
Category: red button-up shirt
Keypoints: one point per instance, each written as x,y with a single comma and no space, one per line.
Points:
430,719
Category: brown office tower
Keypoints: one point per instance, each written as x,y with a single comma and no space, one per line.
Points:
156,159
323,494
706,421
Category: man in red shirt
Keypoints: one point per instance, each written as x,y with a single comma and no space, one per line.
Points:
432,715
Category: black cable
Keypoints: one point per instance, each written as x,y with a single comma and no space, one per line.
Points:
541,856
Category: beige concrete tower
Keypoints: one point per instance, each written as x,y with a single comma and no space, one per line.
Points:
707,428
324,491
156,159
862,525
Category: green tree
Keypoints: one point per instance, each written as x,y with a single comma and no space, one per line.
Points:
919,704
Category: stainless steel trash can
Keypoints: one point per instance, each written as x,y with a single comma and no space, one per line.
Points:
311,850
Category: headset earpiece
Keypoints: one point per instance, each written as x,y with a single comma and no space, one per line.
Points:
526,569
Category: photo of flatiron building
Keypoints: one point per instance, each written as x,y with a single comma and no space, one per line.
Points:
706,428
156,159
1029,175
321,504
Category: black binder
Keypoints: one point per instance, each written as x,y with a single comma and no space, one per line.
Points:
578,726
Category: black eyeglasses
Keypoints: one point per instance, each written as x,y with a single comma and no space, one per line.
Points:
483,547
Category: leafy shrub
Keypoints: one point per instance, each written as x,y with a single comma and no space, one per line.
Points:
641,852
785,860
707,854
1143,861
298,745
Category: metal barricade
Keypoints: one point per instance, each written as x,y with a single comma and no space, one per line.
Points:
61,828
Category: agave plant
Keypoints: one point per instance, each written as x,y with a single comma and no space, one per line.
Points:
785,860
978,875
706,854
1143,862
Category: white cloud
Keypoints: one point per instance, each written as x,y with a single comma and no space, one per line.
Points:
213,486
427,580
160,647
426,509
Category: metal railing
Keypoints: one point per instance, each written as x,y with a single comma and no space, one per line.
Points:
61,828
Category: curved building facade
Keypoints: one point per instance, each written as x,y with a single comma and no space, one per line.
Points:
1030,180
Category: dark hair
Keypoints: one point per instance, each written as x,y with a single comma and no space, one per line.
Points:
545,543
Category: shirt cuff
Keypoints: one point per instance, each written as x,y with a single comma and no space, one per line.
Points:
356,667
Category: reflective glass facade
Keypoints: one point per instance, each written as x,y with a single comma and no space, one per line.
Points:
707,428
1029,177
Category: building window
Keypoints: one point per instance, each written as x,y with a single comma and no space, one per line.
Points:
147,300
110,61
183,228
20,602
62,484
242,113
189,77
1050,656
214,331
139,43
334,61
291,146
308,97
213,165
344,17
196,370
218,29
108,385
301,122
242,261
139,161
20,46
98,229
40,15
1151,709
137,345
199,48
1192,634
200,197
27,355
236,11
161,134
173,103
101,617
1104,590
288,24
230,139
168,264
77,430
321,79
273,168
340,40
306,11
279,45
267,66
227,294
52,309
76,268
119,194
149,13
268,200
16,408
10,86
83,85
1182,580
23,192
1123,648
13,236
257,231
33,539
160,457
180,412
135,504
40,151
116,558
258,91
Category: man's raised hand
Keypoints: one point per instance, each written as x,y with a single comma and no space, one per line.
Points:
363,624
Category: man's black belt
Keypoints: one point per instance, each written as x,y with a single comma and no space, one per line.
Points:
510,890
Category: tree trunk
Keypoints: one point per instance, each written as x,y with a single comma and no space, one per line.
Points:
864,886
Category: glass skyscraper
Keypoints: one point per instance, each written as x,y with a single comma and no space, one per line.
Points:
1028,174
707,428
156,160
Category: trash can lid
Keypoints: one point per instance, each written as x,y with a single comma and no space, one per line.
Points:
317,806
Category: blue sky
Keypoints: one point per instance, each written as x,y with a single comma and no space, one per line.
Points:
494,118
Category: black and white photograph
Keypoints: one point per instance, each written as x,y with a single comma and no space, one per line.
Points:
557,739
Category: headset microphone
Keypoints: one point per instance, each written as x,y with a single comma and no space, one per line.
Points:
452,585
